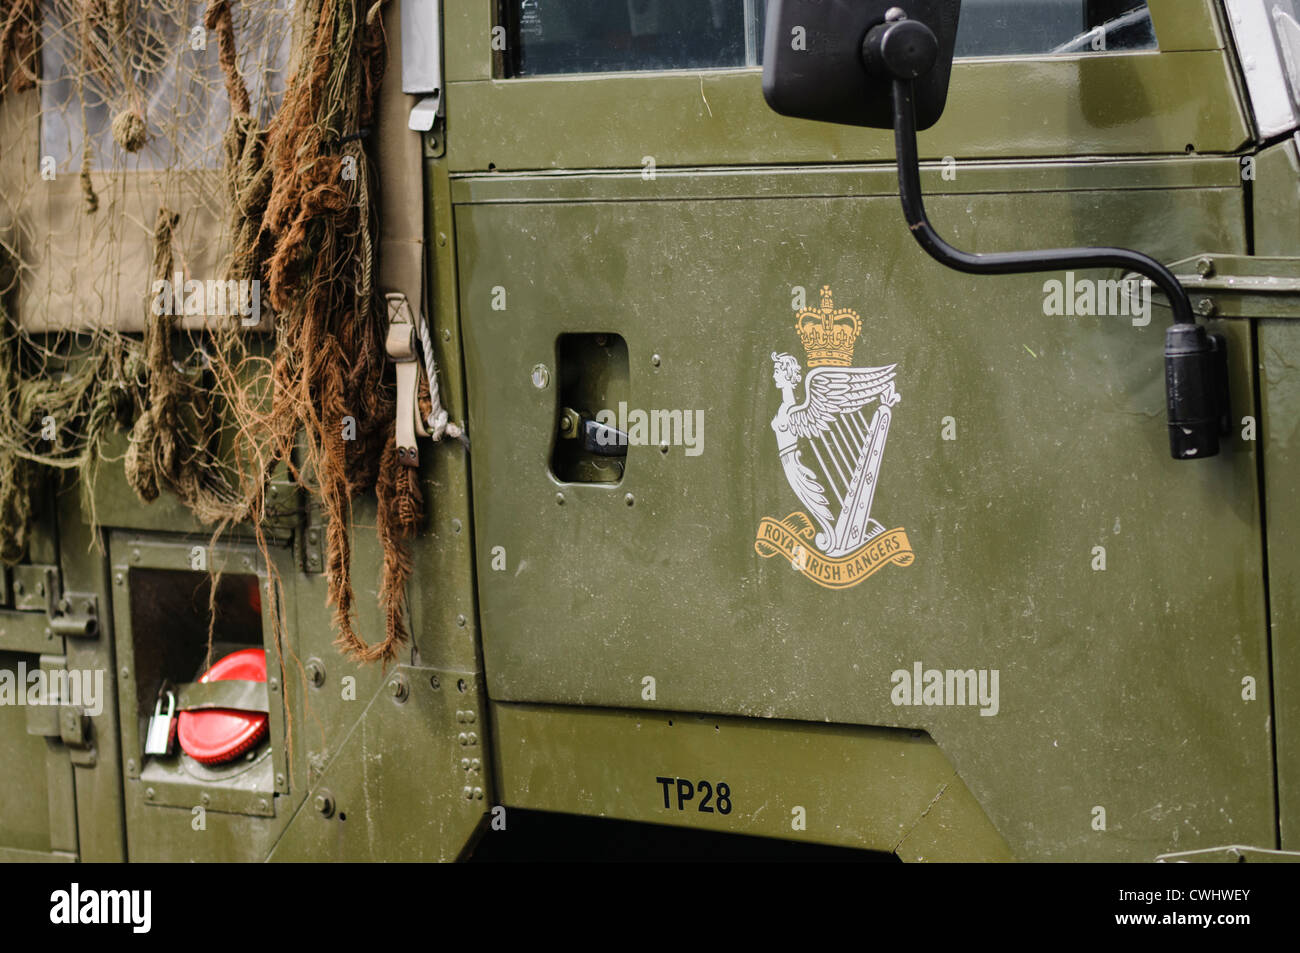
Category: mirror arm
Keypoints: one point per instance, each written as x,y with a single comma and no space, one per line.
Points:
1004,263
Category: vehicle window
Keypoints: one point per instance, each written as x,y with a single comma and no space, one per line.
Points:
159,69
1038,27
596,36
1285,15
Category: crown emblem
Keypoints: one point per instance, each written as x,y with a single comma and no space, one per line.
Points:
829,333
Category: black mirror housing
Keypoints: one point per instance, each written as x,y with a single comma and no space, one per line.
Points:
813,65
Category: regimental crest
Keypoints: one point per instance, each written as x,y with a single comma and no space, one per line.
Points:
831,446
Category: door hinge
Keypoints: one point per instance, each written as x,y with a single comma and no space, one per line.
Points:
39,588
59,712
1237,286
422,69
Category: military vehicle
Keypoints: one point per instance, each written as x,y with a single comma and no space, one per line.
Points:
419,417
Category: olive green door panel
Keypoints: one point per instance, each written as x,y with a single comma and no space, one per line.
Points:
1120,689
1280,417
872,788
1277,233
1138,103
38,815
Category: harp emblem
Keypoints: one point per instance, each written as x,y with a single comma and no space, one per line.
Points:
831,446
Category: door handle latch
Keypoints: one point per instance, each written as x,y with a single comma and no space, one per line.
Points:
600,439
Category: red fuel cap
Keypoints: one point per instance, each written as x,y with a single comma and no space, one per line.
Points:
215,735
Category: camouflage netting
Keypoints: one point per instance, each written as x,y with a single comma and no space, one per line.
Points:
212,141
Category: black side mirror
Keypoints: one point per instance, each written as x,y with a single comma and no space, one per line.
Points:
886,64
815,67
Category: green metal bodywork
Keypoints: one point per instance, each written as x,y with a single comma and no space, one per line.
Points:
1161,690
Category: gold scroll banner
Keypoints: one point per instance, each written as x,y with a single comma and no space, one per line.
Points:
793,537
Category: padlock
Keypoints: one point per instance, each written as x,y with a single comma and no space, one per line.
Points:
162,728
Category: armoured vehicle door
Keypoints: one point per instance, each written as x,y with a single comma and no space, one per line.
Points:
742,449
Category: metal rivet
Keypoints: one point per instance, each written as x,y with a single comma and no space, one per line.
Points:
434,683
274,684
119,578
895,13
541,376
656,360
206,799
126,672
40,588
460,685
148,794
446,334
19,588
442,238
324,804
135,555
315,670
630,499
398,689
559,498
455,526
461,620
279,780
130,766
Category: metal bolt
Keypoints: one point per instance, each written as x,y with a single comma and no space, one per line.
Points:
324,804
398,689
315,670
1205,267
1205,307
